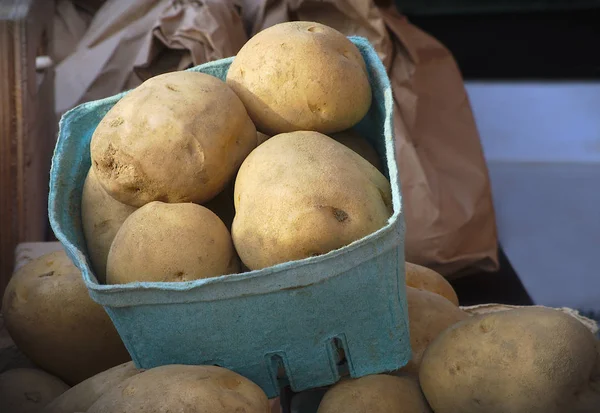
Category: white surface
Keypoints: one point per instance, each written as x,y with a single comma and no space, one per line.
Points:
542,143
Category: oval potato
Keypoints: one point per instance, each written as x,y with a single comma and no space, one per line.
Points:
422,278
27,390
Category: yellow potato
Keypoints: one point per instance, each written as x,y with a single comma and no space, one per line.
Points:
360,145
189,389
171,242
81,397
527,360
222,205
375,394
101,216
53,321
178,137
28,390
301,76
303,194
422,278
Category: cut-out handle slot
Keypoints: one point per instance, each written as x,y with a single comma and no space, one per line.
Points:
340,356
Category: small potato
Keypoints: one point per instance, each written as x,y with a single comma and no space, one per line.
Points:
28,390
428,315
54,322
301,76
178,137
262,137
222,205
375,394
101,216
360,145
81,397
527,360
303,194
171,242
189,389
422,278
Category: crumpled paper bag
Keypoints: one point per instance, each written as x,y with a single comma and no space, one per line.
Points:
447,199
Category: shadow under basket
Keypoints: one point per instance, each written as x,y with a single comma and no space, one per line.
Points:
277,326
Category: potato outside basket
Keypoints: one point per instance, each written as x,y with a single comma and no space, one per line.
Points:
292,317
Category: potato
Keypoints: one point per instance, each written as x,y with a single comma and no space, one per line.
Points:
81,397
101,216
360,145
262,137
303,194
171,242
301,76
375,394
422,278
222,205
428,315
28,390
533,360
178,137
52,319
189,389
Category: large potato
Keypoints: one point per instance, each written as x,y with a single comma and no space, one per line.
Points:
101,216
360,145
375,394
52,319
81,397
178,137
428,315
189,389
171,242
28,390
422,278
303,194
527,360
301,76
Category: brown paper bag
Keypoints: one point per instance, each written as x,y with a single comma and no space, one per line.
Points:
447,199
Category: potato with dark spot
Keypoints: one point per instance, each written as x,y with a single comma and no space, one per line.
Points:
360,145
28,390
301,76
303,194
178,137
423,278
526,360
101,216
193,243
375,394
189,389
52,319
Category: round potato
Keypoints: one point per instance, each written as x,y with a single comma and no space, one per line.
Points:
375,394
81,397
360,145
28,390
422,278
301,76
428,315
178,388
171,242
527,360
101,216
303,194
54,322
178,137
222,205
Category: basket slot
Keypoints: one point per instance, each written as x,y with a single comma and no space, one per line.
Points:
339,356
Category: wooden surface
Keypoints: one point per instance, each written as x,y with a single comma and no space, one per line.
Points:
27,126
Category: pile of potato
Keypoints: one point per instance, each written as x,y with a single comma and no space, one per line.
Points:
193,177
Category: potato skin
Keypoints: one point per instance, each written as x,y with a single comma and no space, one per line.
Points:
171,242
178,137
27,390
54,322
429,314
527,360
375,394
81,397
101,217
303,194
301,76
175,388
423,278
360,145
